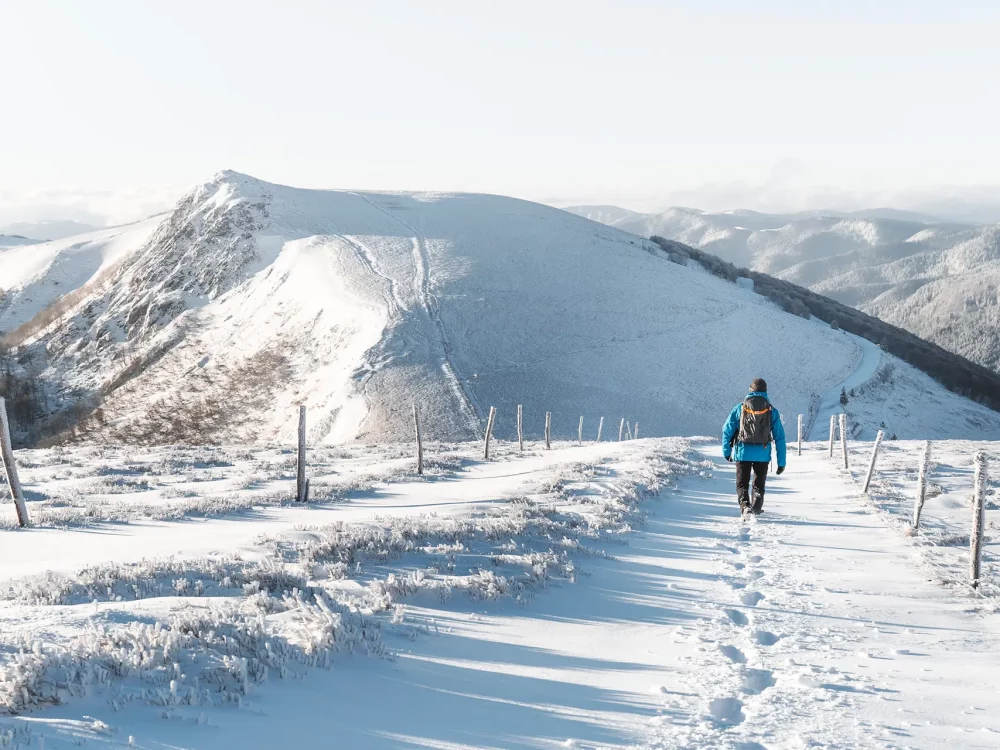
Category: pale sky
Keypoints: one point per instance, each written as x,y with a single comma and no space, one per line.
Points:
117,107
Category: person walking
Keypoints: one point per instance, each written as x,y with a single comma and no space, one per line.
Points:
746,438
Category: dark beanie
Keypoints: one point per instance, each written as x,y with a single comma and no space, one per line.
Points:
759,384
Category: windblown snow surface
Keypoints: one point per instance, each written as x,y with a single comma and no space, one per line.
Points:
595,596
251,298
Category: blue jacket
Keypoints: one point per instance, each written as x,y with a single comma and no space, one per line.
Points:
759,453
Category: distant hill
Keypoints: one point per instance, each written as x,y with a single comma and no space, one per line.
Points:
938,280
14,240
55,229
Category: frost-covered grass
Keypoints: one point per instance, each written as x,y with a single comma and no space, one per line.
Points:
87,485
196,631
946,520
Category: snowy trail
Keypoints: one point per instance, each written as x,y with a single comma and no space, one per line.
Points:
814,626
871,358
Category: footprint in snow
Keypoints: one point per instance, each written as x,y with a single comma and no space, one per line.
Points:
727,710
737,617
738,584
751,598
739,565
733,654
755,574
756,681
755,559
765,637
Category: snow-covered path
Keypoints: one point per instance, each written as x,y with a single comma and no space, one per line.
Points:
871,358
814,627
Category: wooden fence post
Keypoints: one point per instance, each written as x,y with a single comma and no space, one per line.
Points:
579,432
636,431
628,430
843,437
301,491
548,430
520,427
7,454
420,443
600,427
833,431
489,430
925,466
621,429
871,466
978,519
800,434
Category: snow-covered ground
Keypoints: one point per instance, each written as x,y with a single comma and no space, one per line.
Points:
588,596
829,404
946,519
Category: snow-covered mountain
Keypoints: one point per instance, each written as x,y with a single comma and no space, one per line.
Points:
939,280
215,322
37,273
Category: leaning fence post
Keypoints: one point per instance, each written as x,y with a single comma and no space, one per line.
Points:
548,430
520,427
579,432
621,430
925,465
636,433
300,484
420,444
600,427
833,431
7,454
489,430
843,437
978,519
871,466
628,431
800,434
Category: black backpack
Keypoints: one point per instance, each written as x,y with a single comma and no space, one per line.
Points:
755,421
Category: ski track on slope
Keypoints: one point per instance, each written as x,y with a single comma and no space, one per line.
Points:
422,283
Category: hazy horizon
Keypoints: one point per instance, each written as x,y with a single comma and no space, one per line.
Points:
119,108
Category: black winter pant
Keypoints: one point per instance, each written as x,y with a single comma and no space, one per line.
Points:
743,469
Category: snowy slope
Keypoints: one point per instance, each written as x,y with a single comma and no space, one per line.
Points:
602,596
251,298
32,275
940,281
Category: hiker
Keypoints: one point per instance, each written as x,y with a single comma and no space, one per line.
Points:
750,428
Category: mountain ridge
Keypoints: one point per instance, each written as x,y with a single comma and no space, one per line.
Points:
940,281
250,298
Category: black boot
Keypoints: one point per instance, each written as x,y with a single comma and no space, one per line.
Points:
743,497
758,503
